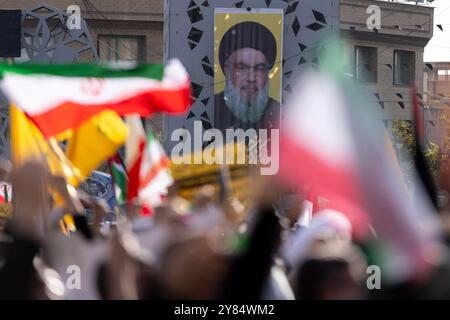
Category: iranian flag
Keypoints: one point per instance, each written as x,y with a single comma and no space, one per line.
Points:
61,97
332,144
147,163
155,177
319,152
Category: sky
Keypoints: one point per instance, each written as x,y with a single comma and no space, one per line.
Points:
438,49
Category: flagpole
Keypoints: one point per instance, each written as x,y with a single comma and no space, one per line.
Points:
117,207
420,161
112,175
5,193
225,185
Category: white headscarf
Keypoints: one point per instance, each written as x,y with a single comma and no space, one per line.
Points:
325,223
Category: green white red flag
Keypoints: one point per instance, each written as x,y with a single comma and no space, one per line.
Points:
120,179
61,97
147,164
331,143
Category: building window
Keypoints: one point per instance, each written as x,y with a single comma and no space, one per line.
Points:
366,64
404,62
443,74
121,48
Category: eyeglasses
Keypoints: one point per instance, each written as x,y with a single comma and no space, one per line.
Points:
246,69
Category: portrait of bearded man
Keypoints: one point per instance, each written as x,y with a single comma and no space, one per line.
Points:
247,53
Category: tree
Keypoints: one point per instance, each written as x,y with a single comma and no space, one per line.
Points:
437,158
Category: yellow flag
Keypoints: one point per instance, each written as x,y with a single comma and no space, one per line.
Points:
65,135
26,140
28,143
96,140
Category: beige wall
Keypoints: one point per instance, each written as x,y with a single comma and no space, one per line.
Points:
140,10
442,87
436,85
389,38
438,108
353,13
385,85
131,17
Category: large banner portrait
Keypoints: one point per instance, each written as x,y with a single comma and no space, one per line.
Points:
248,53
196,30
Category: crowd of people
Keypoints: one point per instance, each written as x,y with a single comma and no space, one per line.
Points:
208,248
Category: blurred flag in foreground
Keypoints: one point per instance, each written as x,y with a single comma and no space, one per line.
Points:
331,145
318,150
61,97
96,140
27,143
88,146
147,164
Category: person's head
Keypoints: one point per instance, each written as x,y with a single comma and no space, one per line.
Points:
334,270
192,270
247,52
246,70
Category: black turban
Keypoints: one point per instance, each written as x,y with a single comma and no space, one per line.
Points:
248,35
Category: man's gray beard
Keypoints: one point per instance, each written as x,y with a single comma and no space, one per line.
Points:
246,111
